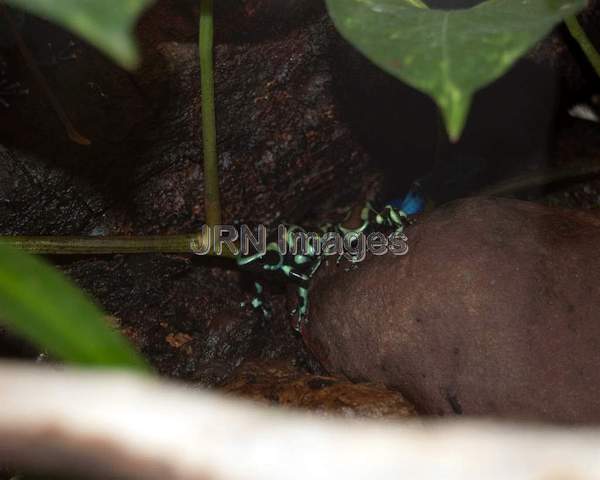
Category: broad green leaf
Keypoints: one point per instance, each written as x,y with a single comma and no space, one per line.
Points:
106,24
447,54
39,303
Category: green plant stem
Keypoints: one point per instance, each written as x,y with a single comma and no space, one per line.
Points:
163,244
209,137
109,245
584,42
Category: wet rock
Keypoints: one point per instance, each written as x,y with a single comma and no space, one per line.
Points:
284,145
280,384
494,311
284,150
186,319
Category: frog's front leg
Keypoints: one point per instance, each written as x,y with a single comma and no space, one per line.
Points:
258,302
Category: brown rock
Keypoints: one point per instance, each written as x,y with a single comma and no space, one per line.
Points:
280,384
285,149
494,311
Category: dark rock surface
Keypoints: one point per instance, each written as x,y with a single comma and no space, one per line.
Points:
284,152
494,311
282,143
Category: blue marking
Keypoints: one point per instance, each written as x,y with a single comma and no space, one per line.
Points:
411,204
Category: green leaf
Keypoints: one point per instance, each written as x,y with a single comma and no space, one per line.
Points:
448,55
106,24
39,303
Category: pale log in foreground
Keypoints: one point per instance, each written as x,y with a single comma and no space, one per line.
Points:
118,425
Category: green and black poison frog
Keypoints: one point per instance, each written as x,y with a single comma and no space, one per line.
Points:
299,269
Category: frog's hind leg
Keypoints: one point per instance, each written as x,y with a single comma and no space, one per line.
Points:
300,313
258,302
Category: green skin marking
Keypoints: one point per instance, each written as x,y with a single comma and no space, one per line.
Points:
299,269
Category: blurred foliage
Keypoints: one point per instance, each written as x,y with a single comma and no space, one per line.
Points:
448,54
40,304
106,24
